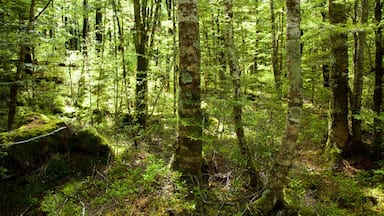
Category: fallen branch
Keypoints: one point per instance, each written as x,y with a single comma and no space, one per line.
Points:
33,138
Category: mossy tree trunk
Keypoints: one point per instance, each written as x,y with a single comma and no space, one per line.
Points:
379,75
295,99
272,201
358,82
338,133
237,106
188,148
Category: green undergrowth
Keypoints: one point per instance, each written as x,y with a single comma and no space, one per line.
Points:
136,184
337,193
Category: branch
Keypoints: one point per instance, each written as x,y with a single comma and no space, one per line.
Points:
42,11
33,138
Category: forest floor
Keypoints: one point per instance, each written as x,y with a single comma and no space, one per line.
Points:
141,182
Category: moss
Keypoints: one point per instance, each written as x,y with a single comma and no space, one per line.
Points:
39,165
88,140
264,204
30,155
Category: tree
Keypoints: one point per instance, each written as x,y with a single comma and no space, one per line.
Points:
275,49
188,148
24,54
273,196
358,82
99,24
237,106
145,23
85,27
379,75
338,133
141,44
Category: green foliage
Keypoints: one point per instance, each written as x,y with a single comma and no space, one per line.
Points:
149,187
312,193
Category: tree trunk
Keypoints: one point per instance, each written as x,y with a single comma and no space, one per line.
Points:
99,25
338,108
174,58
12,106
85,27
141,41
237,106
272,201
358,83
379,75
295,97
325,65
275,50
220,52
188,149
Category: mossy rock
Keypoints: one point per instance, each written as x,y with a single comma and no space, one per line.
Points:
25,151
31,145
53,153
88,140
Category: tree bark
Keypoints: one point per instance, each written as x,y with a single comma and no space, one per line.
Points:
272,201
141,43
295,97
188,148
338,133
356,145
379,75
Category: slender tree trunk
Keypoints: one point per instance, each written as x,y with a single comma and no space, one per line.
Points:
295,95
12,106
275,50
338,133
85,27
141,41
188,148
358,83
220,51
14,90
237,107
121,46
146,21
379,75
99,25
325,65
175,67
273,199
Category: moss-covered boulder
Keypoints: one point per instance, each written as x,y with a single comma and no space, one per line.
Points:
88,140
40,155
31,145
